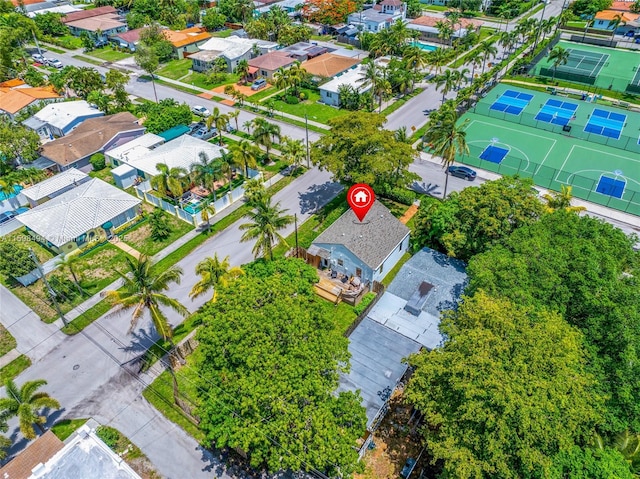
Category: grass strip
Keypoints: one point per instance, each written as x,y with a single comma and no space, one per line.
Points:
63,429
401,101
86,318
15,367
89,60
394,271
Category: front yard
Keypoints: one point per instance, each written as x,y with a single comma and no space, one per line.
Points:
109,54
175,69
139,237
201,80
315,111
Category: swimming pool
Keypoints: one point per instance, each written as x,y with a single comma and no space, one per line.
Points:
424,46
193,206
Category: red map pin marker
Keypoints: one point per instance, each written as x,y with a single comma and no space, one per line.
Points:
361,197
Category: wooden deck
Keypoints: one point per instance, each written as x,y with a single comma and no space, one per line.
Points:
326,289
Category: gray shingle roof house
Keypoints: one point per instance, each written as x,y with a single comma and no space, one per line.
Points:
81,215
367,249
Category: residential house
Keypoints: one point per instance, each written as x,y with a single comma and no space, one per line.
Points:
128,40
266,65
16,95
622,22
82,215
379,17
83,454
289,6
50,7
302,51
329,65
366,249
101,23
186,41
148,151
94,135
60,119
329,91
54,186
233,49
426,26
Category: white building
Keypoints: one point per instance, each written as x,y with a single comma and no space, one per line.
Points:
54,186
233,49
329,91
60,119
379,17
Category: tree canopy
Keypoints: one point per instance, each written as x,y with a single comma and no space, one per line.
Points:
165,115
18,144
470,221
358,150
506,392
586,270
15,260
268,359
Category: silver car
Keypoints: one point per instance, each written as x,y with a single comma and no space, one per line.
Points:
204,134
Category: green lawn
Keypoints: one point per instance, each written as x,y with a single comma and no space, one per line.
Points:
66,41
139,237
315,111
270,90
63,429
15,367
435,8
7,342
578,24
104,174
222,33
175,69
93,61
202,81
394,271
108,54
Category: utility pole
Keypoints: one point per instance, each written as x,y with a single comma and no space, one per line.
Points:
295,223
49,288
535,44
306,132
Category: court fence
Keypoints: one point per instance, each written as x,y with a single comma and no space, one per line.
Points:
576,129
552,178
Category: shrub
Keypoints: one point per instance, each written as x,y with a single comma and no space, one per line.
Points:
303,96
108,435
97,161
291,100
159,224
399,195
15,259
366,301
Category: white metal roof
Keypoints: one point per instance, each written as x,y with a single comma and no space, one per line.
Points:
123,169
350,77
181,153
61,114
73,213
135,148
54,184
234,47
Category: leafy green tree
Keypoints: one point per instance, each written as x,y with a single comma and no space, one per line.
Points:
84,80
49,23
34,77
159,224
18,144
242,69
169,181
349,98
293,152
26,404
265,222
265,133
165,115
561,200
269,366
213,273
589,7
635,7
213,20
586,463
147,59
206,212
586,270
358,150
15,260
507,391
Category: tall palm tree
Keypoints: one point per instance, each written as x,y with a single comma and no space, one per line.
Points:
415,59
297,75
447,82
559,56
233,115
247,126
488,50
144,290
242,69
169,180
282,79
293,151
207,210
246,154
438,58
626,443
26,404
213,272
219,120
265,133
205,172
266,220
561,200
447,138
69,262
371,77
228,163
475,60
445,31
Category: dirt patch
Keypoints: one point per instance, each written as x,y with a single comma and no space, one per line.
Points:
97,267
144,468
241,88
138,235
395,441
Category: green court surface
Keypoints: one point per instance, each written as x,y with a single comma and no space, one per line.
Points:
617,72
598,173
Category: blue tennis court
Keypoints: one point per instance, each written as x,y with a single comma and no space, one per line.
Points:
494,154
611,186
557,112
512,102
606,123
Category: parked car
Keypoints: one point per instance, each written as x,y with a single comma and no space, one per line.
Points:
195,126
230,128
38,57
462,172
259,84
53,62
204,134
200,111
6,216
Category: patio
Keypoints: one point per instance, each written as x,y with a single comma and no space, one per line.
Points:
336,287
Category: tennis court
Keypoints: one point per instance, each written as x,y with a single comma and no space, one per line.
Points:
511,145
602,67
512,102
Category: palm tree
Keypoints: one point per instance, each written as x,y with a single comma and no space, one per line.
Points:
213,272
561,200
626,443
265,133
233,115
25,404
169,180
293,151
488,49
228,163
297,75
246,154
69,261
438,58
242,69
415,59
448,81
247,126
446,139
559,56
144,290
205,172
475,60
371,77
265,222
282,79
207,210
219,120
445,31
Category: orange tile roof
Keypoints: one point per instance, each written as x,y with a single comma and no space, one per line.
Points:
621,6
612,15
38,452
12,101
429,21
180,38
12,83
16,3
329,65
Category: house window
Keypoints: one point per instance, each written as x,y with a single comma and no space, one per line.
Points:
400,247
340,262
81,239
263,73
329,94
381,267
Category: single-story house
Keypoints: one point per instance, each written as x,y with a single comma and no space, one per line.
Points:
50,7
87,213
15,95
54,186
60,119
379,17
101,23
426,25
187,40
181,152
266,65
132,150
302,51
289,6
233,49
366,249
329,91
329,65
606,20
94,135
128,39
624,6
